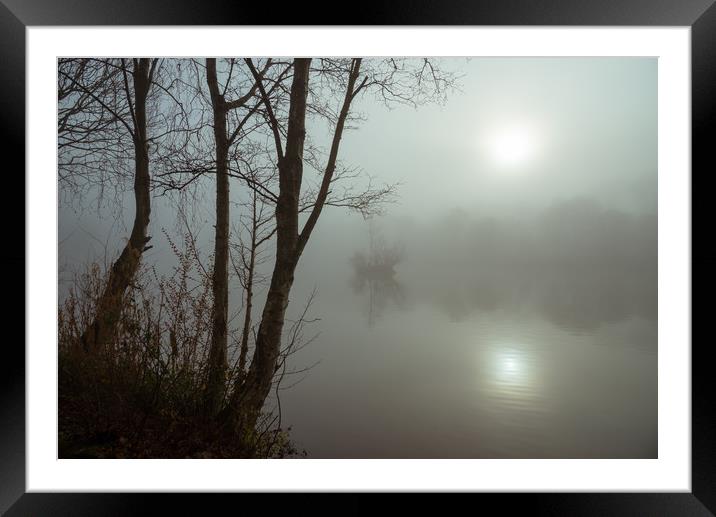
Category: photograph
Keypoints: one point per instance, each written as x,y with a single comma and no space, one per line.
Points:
345,257
426,248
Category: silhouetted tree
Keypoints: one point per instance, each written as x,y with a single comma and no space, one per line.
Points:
100,97
226,115
220,285
394,82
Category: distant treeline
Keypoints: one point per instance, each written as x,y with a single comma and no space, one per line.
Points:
577,231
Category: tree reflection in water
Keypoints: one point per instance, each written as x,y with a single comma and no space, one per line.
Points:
375,273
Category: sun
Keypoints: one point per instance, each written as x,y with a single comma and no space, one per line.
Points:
511,146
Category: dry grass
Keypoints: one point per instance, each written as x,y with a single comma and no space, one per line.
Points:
141,396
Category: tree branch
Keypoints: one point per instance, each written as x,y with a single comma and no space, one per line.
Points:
332,157
273,122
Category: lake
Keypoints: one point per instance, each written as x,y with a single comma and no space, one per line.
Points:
452,358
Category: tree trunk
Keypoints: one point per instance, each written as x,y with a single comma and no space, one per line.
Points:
216,377
244,349
124,269
250,399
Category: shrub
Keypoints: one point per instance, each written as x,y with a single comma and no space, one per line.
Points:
141,396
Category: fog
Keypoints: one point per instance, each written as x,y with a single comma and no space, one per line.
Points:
516,315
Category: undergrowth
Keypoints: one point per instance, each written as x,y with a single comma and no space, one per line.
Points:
141,396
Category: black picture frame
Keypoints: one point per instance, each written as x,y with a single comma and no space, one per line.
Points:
700,15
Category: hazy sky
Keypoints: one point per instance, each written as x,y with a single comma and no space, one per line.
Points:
590,125
520,134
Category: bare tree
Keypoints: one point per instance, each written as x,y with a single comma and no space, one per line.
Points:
393,82
221,107
133,83
242,120
259,228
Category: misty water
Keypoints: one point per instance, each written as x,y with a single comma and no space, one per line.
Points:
450,357
485,340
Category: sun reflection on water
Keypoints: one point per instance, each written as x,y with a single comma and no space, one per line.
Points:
511,367
512,396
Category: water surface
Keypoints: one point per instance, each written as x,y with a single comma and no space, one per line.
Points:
476,360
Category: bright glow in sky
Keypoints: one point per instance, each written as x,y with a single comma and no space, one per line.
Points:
520,134
511,146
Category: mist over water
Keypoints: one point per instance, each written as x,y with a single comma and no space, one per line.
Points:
458,351
490,312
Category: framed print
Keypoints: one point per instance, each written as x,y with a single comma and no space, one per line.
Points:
461,262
